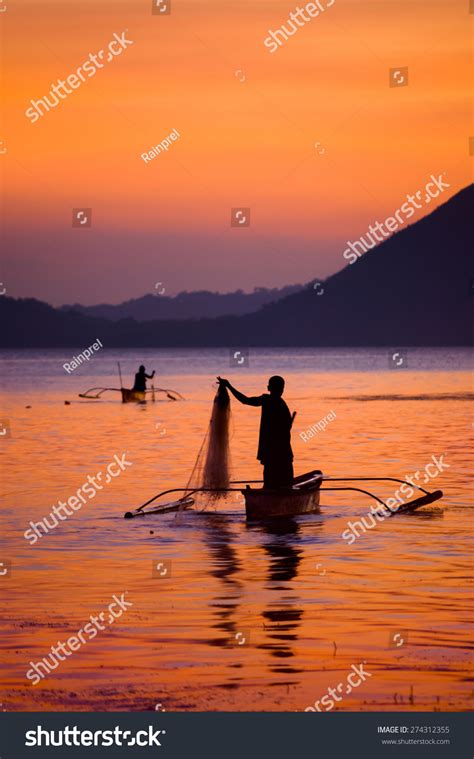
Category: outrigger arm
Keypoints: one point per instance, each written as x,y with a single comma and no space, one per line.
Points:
187,498
97,395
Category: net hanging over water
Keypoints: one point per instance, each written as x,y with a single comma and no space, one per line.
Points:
212,467
216,472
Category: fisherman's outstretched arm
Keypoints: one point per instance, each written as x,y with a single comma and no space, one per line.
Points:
245,399
150,376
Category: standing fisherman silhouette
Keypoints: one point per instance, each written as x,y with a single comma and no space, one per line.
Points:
274,445
140,379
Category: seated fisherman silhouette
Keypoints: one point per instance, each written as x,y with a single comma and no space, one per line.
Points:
140,379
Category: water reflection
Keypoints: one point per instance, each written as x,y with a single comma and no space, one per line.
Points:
225,565
283,614
229,577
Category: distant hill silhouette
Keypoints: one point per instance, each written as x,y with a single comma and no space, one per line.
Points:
413,289
188,305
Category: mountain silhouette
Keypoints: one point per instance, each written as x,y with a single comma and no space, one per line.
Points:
415,288
187,305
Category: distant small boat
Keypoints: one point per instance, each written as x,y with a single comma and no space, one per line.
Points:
131,396
301,498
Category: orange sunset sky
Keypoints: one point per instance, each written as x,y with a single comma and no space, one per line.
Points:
312,139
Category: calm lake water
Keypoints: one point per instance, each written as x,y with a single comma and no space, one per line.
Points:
247,617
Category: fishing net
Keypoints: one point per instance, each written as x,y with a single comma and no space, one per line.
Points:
216,472
212,467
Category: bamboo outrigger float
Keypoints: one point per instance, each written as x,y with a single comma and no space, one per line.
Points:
302,498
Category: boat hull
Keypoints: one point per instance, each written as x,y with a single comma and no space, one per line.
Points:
133,396
302,498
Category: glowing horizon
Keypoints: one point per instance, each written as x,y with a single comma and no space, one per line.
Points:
311,138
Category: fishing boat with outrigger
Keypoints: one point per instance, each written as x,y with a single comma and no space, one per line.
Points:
131,396
303,497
